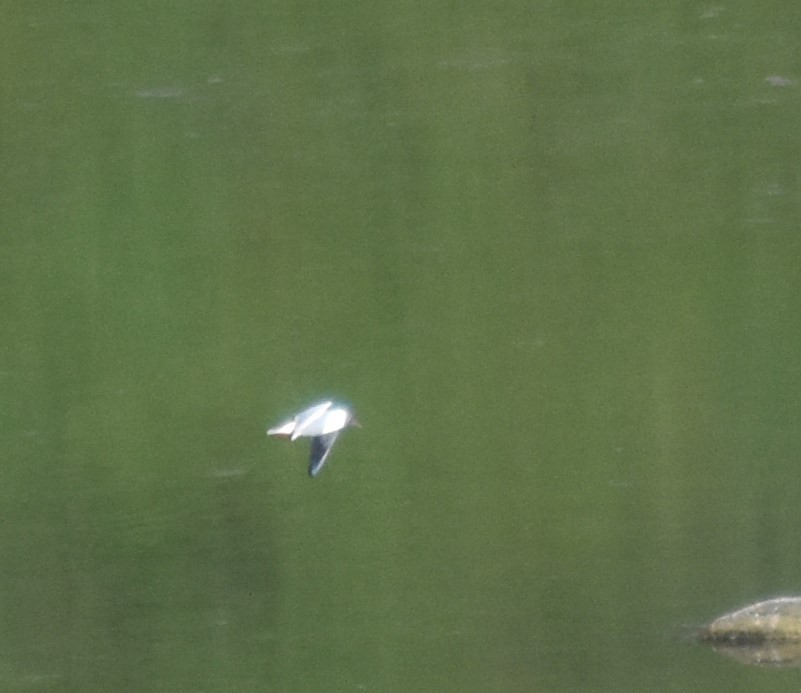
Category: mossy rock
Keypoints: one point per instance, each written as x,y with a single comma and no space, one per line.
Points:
765,633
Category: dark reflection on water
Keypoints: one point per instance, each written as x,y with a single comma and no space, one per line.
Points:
764,654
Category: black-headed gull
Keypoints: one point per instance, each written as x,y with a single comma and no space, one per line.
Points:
322,423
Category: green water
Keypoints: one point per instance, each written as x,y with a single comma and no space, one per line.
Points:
549,254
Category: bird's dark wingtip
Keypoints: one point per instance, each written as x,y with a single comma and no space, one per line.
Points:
320,449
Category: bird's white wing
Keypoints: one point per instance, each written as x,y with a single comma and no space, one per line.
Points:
308,421
284,429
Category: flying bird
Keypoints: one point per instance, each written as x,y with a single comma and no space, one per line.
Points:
322,423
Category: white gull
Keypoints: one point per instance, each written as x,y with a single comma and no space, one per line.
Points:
322,423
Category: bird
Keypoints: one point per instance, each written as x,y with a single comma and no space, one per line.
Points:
322,423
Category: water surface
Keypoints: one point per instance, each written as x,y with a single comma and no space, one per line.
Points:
548,254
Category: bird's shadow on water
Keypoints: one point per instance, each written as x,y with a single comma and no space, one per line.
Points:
241,566
241,563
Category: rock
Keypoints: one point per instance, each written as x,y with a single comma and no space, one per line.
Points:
765,633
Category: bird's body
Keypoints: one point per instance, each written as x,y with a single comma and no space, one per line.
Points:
322,423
